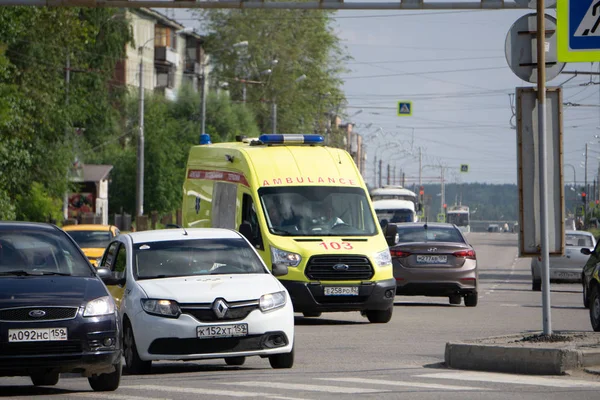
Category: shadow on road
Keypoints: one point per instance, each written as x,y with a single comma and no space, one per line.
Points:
299,320
24,390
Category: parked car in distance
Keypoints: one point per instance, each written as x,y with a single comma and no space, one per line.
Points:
56,315
433,259
92,238
568,267
198,293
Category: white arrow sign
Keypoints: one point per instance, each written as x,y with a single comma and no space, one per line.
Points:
590,23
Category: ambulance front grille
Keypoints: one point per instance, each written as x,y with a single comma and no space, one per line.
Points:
339,268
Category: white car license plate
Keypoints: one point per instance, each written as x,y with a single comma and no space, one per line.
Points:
565,275
221,331
432,259
341,291
37,335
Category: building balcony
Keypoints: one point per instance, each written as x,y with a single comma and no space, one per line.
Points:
192,67
166,55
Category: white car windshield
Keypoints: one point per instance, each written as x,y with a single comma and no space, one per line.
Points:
165,259
317,211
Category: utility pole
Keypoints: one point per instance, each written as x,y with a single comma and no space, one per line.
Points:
585,186
140,145
274,115
67,82
388,174
443,198
375,171
380,162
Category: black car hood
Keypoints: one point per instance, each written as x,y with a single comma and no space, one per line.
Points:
49,290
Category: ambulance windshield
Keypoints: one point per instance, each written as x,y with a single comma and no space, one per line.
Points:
317,211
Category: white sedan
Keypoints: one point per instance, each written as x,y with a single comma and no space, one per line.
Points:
566,268
190,294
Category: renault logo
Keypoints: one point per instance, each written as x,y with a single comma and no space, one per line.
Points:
341,267
220,308
37,313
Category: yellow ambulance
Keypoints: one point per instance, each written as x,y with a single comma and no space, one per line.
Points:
300,204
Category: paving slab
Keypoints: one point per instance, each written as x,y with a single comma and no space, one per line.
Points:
528,353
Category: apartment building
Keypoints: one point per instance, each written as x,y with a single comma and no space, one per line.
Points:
168,54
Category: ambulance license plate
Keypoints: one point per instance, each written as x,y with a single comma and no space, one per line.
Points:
341,291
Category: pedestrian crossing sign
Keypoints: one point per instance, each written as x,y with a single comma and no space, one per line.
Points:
464,167
578,26
404,108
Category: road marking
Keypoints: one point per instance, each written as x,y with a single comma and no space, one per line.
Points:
99,395
401,383
510,378
206,391
510,305
301,386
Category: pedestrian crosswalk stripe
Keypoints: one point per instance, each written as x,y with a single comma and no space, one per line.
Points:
97,395
301,386
510,378
402,383
206,391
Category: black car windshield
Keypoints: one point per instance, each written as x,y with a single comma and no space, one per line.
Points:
317,211
428,233
91,239
190,257
32,252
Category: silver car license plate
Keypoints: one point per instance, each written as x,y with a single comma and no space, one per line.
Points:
341,291
221,331
432,259
37,335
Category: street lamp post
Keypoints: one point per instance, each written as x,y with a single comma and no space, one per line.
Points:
204,90
139,176
274,106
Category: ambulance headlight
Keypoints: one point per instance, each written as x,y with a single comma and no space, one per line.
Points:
383,258
287,258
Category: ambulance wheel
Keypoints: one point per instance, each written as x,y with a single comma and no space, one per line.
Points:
379,316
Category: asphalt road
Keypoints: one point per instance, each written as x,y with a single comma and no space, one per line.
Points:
342,356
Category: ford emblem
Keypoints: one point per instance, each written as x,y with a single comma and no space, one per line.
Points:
37,313
341,267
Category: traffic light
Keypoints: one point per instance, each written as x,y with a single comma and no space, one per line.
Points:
583,198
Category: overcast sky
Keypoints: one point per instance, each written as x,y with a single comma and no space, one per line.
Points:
451,65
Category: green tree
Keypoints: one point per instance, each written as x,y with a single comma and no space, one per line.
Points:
37,134
302,42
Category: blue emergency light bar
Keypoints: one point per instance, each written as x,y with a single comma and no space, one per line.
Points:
205,139
291,139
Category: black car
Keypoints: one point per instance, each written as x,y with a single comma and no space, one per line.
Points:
56,315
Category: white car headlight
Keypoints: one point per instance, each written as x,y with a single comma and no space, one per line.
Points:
272,301
161,308
279,256
100,306
383,258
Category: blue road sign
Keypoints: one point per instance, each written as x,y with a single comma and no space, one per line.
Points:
578,25
405,108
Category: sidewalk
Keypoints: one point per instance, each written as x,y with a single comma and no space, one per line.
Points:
528,353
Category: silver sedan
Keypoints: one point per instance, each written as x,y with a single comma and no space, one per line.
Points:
566,268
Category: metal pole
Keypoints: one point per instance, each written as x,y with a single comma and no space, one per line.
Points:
585,188
67,82
443,191
140,148
543,154
203,99
274,116
375,171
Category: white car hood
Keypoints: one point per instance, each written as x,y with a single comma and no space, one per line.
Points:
205,289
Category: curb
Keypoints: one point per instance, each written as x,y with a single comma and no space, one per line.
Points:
519,360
